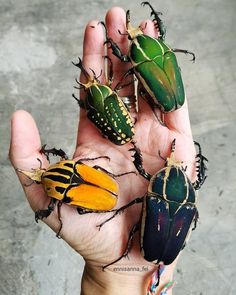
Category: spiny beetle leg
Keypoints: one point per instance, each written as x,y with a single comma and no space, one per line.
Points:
121,209
116,50
201,168
159,271
128,247
111,174
54,152
119,85
158,23
114,47
195,221
138,161
82,211
40,214
186,52
82,68
93,159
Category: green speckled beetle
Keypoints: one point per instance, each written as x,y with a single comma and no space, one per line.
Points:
106,109
155,65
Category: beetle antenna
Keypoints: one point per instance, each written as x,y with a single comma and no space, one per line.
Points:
159,153
29,184
40,162
81,85
143,28
123,34
94,75
99,75
76,87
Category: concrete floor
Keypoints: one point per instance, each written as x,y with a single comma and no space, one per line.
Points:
37,43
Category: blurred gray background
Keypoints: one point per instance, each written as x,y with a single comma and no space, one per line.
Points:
38,41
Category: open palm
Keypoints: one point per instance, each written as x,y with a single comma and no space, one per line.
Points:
80,231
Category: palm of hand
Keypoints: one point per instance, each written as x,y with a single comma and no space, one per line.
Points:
80,232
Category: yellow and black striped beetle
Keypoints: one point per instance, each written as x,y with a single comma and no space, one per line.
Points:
89,189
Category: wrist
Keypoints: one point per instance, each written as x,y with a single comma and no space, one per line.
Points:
121,280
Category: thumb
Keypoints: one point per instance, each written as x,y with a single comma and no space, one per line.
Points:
24,151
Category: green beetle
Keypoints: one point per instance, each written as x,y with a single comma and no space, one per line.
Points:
105,108
155,65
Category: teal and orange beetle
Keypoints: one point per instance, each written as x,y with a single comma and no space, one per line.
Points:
105,108
169,210
154,63
89,189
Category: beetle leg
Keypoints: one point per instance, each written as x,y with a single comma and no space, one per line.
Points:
114,47
111,174
153,106
40,214
116,50
111,73
121,209
195,221
54,152
201,168
59,204
128,247
158,23
28,184
138,161
83,70
92,159
119,85
186,52
80,102
82,211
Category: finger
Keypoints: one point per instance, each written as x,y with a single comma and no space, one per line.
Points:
94,50
24,150
115,22
148,28
179,120
93,58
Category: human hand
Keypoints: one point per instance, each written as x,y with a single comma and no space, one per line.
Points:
79,231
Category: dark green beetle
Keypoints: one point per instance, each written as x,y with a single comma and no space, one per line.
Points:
155,64
105,108
169,210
